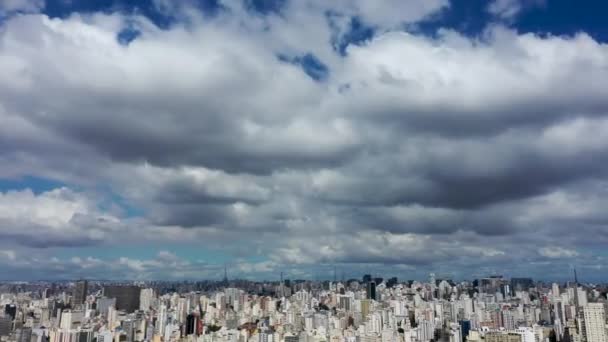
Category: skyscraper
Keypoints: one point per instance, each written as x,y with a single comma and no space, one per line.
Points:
127,297
70,319
555,290
371,290
103,304
146,298
23,335
80,292
10,310
191,324
161,322
595,322
6,324
129,328
521,284
465,327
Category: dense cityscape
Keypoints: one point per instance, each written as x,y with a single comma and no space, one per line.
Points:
493,309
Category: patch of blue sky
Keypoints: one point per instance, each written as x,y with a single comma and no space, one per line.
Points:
310,64
356,34
127,35
555,17
38,185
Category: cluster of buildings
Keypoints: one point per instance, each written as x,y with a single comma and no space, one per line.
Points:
492,309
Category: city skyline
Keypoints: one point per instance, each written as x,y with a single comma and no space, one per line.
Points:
159,139
490,309
318,277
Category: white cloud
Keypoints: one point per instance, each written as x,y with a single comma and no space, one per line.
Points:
8,254
166,255
507,72
20,6
56,217
54,208
387,13
505,9
557,252
509,9
412,152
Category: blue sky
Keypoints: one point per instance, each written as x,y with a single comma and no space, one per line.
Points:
161,140
559,17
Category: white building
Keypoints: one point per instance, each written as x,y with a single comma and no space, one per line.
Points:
595,322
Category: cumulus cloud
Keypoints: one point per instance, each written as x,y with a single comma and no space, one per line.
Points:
505,8
412,151
509,9
27,6
10,255
557,252
60,217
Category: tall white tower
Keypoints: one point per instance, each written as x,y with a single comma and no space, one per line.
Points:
555,290
595,322
161,321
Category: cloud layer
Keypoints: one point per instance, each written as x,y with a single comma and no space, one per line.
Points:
438,151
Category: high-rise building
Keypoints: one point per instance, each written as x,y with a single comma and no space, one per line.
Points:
71,319
127,296
465,327
455,332
371,290
103,304
6,325
10,310
191,324
581,297
344,302
555,290
80,292
595,322
161,320
85,336
112,317
391,282
146,298
521,284
365,307
23,335
129,328
505,290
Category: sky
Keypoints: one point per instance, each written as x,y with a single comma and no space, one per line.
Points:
158,139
